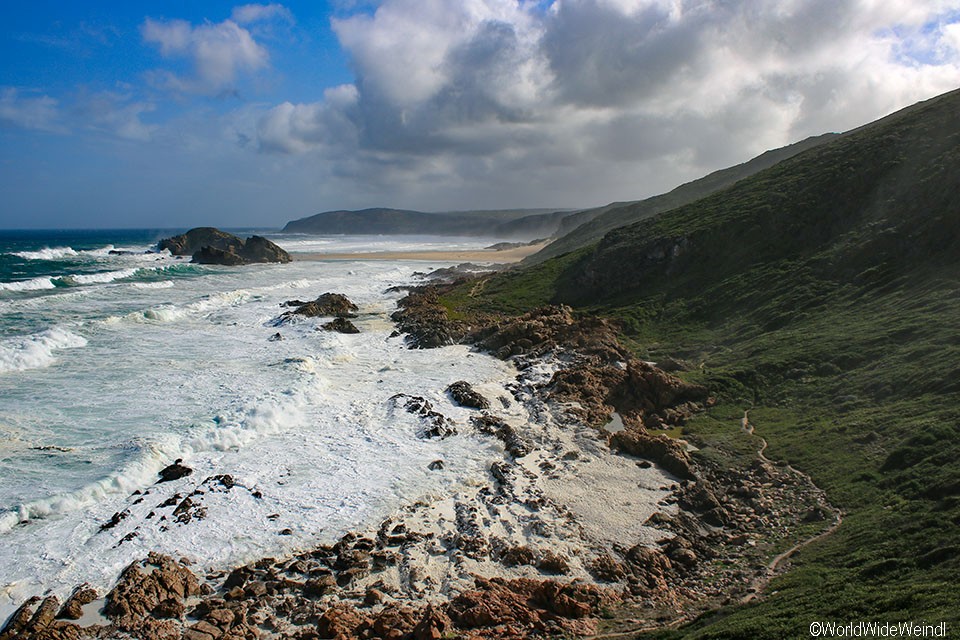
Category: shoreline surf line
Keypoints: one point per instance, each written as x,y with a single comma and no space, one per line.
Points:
475,255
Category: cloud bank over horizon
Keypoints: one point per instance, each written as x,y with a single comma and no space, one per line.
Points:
479,103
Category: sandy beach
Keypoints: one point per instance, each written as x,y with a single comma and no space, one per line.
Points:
515,254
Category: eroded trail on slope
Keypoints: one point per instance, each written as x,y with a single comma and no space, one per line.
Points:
773,567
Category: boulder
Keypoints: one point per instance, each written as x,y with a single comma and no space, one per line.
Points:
649,569
188,243
394,622
259,249
668,453
341,325
524,607
146,585
434,625
340,622
432,423
73,607
464,395
425,321
326,305
174,472
512,441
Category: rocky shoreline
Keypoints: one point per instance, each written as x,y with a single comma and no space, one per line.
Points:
585,518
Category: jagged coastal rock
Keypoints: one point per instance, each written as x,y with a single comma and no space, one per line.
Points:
208,245
464,394
328,304
341,325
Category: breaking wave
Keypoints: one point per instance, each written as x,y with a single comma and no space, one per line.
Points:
37,350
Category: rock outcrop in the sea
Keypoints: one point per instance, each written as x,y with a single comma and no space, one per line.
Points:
174,471
326,305
433,424
513,442
208,245
341,325
464,395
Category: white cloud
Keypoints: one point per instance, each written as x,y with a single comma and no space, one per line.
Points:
592,100
293,128
114,113
218,52
490,103
29,112
251,13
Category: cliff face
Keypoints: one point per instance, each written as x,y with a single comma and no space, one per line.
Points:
208,245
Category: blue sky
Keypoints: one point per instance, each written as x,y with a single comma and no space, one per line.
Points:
119,114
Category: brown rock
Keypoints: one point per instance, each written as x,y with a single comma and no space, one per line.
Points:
554,563
464,395
143,586
434,625
649,569
665,451
340,622
517,556
327,304
223,618
45,614
393,622
512,441
605,569
205,627
341,325
18,622
373,597
73,607
521,606
169,608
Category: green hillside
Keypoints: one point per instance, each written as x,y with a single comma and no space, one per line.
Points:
585,227
499,223
823,294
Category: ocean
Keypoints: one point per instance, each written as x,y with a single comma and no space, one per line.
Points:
115,362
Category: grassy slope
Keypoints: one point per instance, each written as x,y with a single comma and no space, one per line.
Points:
586,227
825,294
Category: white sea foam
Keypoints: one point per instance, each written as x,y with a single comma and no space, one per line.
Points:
100,278
36,350
73,279
54,253
59,253
162,284
377,244
141,472
189,371
36,284
173,313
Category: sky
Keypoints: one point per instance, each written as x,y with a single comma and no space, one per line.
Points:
122,114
